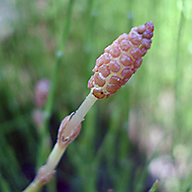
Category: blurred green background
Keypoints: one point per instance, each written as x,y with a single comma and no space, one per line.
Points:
141,133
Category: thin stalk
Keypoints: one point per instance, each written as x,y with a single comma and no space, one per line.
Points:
78,116
34,186
155,185
66,27
59,55
4,185
54,157
44,149
48,169
46,172
178,74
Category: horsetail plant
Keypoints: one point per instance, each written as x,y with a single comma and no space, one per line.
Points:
113,69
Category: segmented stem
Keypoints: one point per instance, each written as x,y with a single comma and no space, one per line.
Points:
78,116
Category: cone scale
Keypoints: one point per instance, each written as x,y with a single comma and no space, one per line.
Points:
120,61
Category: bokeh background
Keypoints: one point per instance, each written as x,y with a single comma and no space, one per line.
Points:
140,134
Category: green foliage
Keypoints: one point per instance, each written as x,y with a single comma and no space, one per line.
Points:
148,118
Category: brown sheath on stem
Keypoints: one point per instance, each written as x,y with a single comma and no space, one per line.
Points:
120,61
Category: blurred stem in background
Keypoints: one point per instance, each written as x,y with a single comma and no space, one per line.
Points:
179,72
180,118
4,184
44,149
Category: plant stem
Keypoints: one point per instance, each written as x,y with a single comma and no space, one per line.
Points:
54,157
154,187
43,150
80,113
179,79
45,172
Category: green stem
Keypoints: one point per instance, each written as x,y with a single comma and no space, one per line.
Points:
54,157
66,27
178,79
155,185
44,149
59,55
80,113
48,169
33,187
58,151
